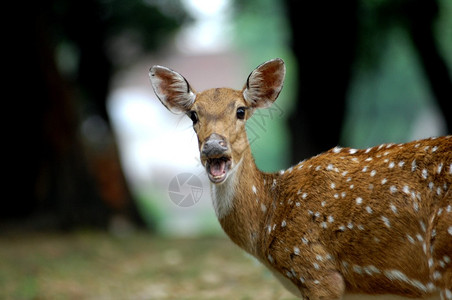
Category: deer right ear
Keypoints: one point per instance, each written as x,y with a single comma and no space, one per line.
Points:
172,89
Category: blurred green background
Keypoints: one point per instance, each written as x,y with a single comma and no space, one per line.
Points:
93,152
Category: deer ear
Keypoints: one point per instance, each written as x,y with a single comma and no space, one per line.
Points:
265,83
172,89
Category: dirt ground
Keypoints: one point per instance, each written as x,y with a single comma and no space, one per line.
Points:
96,265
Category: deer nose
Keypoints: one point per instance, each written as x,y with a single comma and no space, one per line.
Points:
214,146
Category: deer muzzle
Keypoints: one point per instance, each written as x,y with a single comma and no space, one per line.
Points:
216,157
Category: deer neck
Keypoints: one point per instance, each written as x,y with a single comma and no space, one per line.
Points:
242,203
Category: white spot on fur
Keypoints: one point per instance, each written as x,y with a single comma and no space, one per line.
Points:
393,208
359,200
274,183
396,275
254,189
440,167
406,189
369,209
449,230
352,151
415,206
393,189
337,149
423,227
438,191
357,269
270,259
371,270
386,221
436,275
424,173
419,237
413,166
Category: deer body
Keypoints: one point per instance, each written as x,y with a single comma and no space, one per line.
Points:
376,221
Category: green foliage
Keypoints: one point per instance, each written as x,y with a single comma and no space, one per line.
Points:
151,21
389,90
262,33
384,101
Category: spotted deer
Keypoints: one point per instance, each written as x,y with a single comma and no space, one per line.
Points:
347,221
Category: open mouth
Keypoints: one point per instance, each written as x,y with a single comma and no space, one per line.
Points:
217,168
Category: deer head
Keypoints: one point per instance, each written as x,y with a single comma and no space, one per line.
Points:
219,115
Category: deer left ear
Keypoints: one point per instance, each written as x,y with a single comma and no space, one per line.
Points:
265,83
172,89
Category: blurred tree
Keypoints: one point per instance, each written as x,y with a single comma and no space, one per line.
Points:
65,161
419,18
324,38
329,37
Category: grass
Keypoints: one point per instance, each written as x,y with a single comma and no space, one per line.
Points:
96,265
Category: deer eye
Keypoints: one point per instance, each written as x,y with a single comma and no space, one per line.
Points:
241,113
193,116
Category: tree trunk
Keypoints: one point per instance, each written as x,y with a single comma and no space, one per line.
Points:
323,40
55,172
421,16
